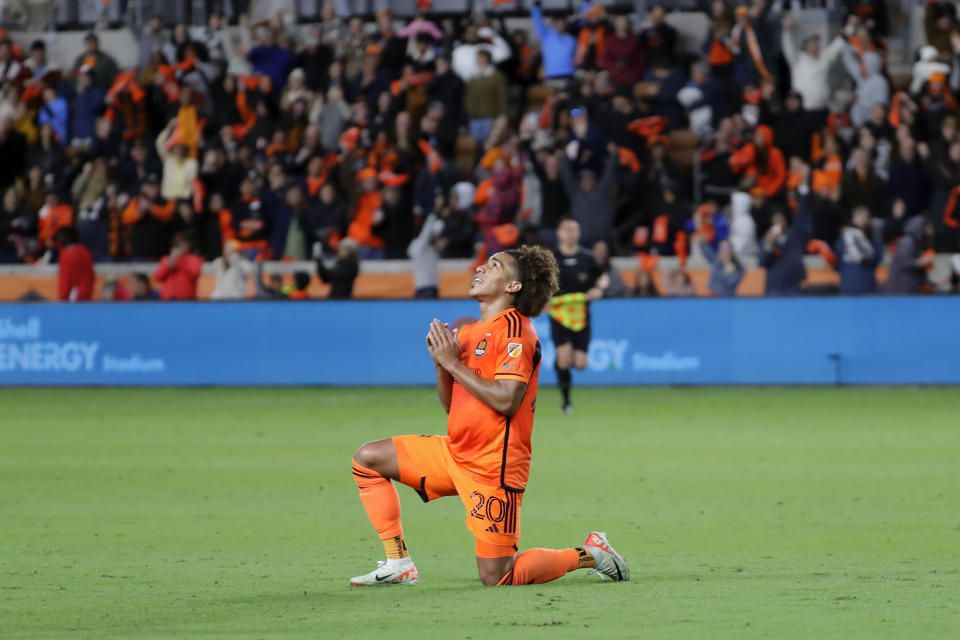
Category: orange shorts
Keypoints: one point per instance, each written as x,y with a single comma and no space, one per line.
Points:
493,513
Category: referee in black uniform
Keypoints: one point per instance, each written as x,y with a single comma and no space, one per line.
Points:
579,273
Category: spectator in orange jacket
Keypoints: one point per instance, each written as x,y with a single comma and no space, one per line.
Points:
179,271
761,161
53,216
75,273
367,214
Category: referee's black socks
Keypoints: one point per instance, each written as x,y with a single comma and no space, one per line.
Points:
564,381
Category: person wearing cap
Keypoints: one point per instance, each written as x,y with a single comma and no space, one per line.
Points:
592,37
101,67
557,47
810,67
146,222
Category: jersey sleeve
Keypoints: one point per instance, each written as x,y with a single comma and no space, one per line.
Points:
515,355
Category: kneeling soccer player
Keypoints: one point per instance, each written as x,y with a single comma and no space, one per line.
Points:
487,381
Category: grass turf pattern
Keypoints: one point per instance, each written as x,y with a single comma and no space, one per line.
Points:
231,513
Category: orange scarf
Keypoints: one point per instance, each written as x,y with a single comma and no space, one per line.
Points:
583,43
753,45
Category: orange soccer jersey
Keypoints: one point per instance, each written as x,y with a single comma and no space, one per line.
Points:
489,445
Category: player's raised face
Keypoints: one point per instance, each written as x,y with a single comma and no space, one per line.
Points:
496,277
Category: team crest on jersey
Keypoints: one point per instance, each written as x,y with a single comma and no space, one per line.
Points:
514,349
481,348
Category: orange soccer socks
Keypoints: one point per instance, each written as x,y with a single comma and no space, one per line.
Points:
382,504
536,566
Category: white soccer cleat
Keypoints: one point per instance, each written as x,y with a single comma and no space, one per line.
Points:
391,571
609,564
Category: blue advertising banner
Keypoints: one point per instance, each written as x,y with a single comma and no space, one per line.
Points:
740,341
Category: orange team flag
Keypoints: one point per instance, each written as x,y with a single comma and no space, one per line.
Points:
199,195
629,159
482,194
661,228
640,236
647,261
649,126
433,158
822,248
681,247
948,218
391,179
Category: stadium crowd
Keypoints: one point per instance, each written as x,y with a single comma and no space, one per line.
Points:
351,140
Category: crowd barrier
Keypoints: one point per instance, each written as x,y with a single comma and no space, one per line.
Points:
818,341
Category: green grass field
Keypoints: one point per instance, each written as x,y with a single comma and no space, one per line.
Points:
231,513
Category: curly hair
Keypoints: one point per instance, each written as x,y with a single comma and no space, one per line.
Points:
537,271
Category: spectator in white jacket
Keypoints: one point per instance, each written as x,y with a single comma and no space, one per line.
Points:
464,57
925,67
809,66
743,228
424,252
233,271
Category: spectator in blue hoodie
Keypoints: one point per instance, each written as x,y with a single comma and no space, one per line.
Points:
88,105
271,59
54,110
784,245
858,254
558,47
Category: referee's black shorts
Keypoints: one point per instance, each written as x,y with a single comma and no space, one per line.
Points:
561,336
